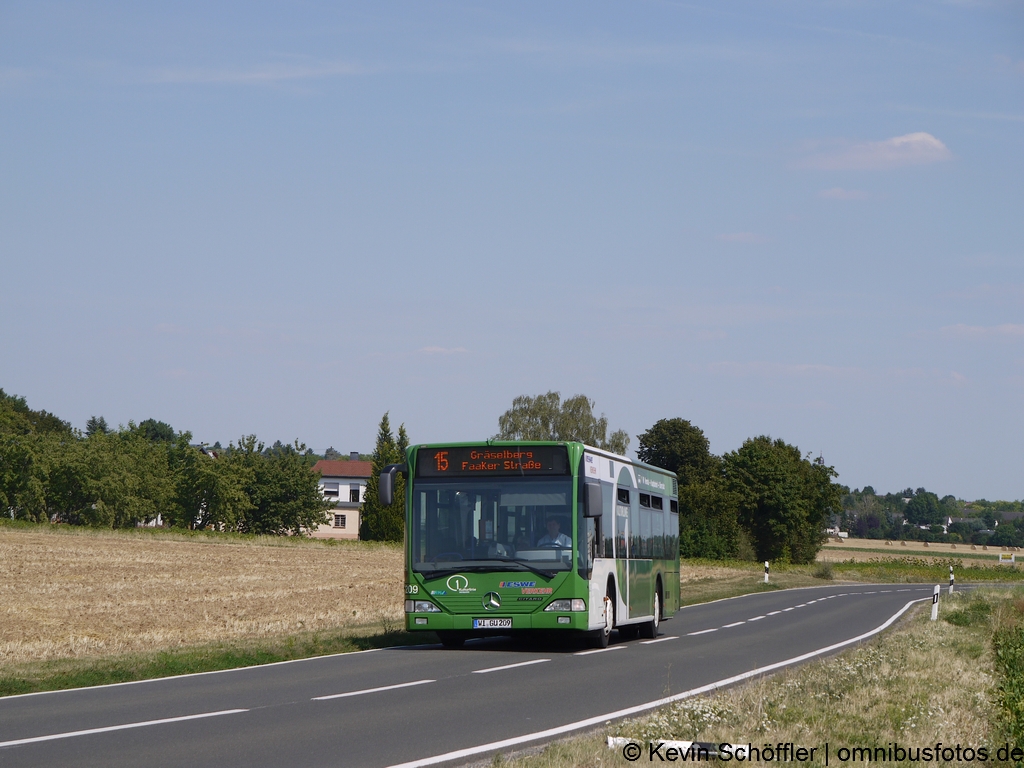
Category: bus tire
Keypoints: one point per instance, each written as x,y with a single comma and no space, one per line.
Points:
601,637
451,639
649,629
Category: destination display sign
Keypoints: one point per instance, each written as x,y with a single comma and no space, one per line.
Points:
492,460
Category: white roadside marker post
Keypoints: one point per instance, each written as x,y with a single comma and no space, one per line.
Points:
951,579
935,602
765,571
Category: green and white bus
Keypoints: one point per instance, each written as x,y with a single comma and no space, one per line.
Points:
505,538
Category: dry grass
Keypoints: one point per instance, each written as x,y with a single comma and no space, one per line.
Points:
85,593
923,683
865,549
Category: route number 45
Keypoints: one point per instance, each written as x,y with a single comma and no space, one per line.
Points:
412,589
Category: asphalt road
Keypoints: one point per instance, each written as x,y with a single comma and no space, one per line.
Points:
426,705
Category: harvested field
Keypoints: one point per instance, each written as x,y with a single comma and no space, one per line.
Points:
865,549
73,593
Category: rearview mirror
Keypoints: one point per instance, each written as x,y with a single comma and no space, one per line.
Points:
386,483
593,501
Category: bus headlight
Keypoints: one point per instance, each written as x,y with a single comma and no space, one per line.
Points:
576,604
421,606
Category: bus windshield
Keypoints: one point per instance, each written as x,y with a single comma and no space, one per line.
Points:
497,523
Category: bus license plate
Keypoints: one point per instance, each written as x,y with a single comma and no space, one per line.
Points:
492,623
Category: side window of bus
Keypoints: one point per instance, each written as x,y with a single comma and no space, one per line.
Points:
658,527
608,519
646,548
623,534
672,537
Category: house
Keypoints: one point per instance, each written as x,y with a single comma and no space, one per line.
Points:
344,483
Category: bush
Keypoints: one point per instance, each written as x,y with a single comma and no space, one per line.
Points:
823,571
1008,644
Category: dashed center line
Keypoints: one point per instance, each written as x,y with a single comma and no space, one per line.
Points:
601,650
659,640
771,613
509,666
371,690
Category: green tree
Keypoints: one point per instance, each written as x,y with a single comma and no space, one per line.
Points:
96,425
17,418
208,491
377,522
156,431
110,480
784,500
284,495
28,439
678,445
546,417
924,509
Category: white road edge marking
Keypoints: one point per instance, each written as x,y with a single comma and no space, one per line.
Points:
702,632
659,640
509,666
125,726
196,674
601,650
371,690
601,719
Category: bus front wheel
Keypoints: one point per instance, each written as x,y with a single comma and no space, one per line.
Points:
602,636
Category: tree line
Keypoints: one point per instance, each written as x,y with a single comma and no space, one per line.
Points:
922,515
124,477
764,500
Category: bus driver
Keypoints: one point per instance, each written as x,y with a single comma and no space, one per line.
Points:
553,538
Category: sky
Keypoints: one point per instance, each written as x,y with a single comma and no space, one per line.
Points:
799,219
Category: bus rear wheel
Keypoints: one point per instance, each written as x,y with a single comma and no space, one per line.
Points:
649,629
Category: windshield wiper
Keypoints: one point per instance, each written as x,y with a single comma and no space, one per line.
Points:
442,572
527,565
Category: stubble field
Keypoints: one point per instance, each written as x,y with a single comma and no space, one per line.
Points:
74,593
69,593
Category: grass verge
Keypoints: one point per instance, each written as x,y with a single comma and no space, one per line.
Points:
61,674
959,681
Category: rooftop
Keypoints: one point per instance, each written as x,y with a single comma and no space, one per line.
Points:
344,468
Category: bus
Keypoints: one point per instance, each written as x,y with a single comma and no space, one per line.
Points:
507,538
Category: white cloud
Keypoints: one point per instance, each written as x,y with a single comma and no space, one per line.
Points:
263,74
912,149
1004,331
443,350
838,193
743,237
